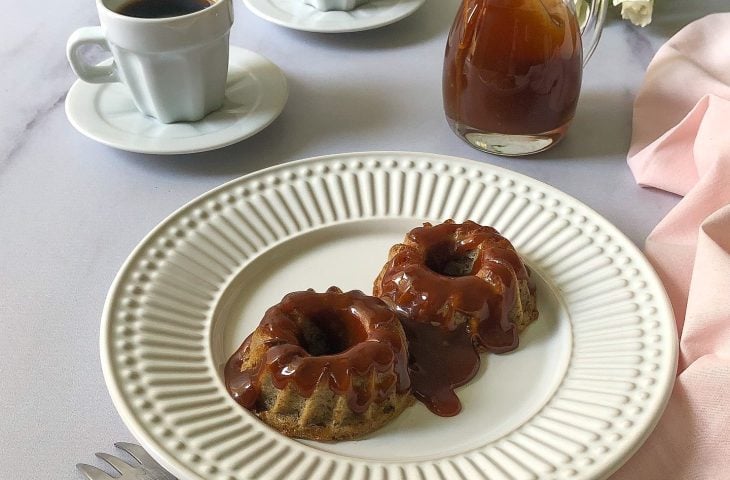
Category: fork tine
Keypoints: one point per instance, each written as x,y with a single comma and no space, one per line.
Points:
119,465
93,473
137,452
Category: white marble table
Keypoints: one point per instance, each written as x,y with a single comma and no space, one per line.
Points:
72,210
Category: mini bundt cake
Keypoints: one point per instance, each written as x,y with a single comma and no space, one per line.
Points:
323,366
460,289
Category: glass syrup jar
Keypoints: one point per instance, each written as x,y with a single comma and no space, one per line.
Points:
513,71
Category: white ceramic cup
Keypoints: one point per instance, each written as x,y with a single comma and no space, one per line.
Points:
175,67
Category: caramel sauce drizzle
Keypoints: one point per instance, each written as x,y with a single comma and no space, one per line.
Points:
453,286
364,326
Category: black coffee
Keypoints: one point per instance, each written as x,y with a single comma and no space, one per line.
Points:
161,8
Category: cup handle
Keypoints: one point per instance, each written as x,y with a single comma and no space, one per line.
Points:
86,72
591,25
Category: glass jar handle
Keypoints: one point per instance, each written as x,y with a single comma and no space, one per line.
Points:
591,16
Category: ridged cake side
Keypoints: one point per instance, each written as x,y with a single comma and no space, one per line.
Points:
324,366
326,415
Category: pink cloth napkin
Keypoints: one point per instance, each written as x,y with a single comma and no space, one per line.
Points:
681,143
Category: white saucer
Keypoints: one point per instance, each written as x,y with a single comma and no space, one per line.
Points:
256,93
299,16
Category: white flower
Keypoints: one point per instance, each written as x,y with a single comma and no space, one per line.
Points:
637,11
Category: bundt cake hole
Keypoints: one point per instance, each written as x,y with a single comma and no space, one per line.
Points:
330,332
444,260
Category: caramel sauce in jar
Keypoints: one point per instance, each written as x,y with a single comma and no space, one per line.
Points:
512,68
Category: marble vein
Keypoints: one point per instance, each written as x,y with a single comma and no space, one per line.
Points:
41,76
639,44
12,149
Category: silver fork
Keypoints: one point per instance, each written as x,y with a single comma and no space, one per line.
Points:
148,468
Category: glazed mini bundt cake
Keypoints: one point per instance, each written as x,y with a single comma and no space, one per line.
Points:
459,289
323,366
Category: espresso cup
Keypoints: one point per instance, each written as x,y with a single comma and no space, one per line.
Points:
175,67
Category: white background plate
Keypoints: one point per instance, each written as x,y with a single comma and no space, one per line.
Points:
256,92
582,392
297,15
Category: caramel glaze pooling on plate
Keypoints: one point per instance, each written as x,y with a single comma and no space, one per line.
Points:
355,333
453,286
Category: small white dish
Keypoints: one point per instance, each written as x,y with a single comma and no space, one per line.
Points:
256,92
337,5
298,15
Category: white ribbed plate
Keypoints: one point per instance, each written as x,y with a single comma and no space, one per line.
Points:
586,386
